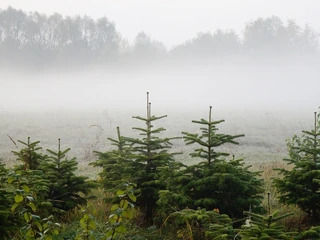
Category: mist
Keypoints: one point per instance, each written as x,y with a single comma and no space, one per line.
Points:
59,81
225,87
266,102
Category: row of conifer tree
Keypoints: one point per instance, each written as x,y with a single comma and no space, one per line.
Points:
219,197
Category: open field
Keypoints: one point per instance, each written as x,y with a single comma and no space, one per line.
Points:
87,131
263,146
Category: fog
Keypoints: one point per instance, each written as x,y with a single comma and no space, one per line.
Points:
269,103
79,63
60,75
229,87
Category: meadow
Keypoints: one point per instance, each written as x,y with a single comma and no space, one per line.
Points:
263,147
87,131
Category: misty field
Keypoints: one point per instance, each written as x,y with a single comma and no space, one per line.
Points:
263,147
84,108
84,132
199,131
269,102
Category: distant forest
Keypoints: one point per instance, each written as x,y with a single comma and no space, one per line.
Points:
34,39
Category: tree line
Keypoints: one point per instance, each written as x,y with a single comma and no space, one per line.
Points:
38,39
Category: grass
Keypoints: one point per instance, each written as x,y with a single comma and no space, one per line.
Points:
271,196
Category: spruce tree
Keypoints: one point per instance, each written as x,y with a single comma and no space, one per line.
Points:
209,139
299,186
51,178
29,172
117,164
150,154
66,189
214,183
29,155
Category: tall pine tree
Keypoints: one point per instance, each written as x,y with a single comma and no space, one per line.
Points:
117,164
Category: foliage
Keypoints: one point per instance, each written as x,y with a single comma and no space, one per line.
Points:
29,173
209,140
214,183
150,154
25,207
121,212
116,164
300,186
38,188
7,224
264,227
195,202
30,155
87,225
309,234
52,178
201,224
66,189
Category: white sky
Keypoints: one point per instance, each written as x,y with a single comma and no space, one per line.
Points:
175,21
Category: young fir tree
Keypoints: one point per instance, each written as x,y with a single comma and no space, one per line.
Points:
116,164
209,140
150,155
30,155
214,183
299,185
30,173
66,189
